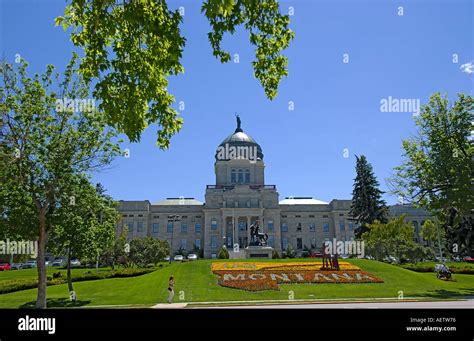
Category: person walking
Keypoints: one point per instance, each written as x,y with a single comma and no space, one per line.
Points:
171,290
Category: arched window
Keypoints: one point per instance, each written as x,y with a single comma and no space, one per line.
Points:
240,176
232,176
247,176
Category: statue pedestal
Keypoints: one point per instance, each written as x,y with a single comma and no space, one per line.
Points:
258,252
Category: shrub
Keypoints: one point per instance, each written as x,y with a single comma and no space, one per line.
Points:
223,253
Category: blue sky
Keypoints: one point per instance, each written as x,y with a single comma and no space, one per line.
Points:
336,104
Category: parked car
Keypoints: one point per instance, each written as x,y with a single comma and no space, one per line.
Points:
178,258
469,259
167,258
5,267
192,256
30,264
441,259
391,259
59,262
16,266
75,262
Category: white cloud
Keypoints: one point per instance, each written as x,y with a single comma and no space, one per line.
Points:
467,68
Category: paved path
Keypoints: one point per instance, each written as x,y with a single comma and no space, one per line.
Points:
464,304
170,306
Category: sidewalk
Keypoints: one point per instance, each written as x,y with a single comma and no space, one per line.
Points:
169,306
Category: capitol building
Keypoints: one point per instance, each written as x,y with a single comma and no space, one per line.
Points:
239,198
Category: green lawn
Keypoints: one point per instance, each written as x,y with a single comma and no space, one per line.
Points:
33,273
194,282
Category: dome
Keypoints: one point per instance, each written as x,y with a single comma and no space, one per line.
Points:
239,139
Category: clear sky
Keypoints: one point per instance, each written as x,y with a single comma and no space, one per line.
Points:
336,104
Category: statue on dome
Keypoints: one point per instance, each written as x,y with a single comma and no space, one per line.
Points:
239,123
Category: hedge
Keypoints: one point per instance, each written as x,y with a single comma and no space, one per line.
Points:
58,278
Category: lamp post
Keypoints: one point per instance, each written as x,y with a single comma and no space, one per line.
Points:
172,219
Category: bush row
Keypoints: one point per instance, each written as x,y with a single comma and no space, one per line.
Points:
458,269
61,278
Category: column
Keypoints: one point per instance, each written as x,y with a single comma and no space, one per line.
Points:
248,230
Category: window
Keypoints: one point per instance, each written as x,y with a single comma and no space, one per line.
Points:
297,216
184,228
213,224
240,178
139,227
184,244
155,227
247,176
156,217
314,243
284,227
131,215
197,227
326,227
284,243
299,243
241,226
270,225
342,225
169,227
214,242
140,215
351,226
229,242
298,227
130,227
197,243
311,216
271,241
232,176
312,227
325,216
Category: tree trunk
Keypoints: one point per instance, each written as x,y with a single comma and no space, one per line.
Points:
69,277
40,264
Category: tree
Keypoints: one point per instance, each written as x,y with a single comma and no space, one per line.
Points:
131,47
435,234
148,250
367,203
392,239
44,147
85,226
437,173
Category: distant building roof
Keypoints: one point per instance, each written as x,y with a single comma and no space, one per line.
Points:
179,201
302,201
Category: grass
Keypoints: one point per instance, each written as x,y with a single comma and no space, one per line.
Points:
194,282
33,273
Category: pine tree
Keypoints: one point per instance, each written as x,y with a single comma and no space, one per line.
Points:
367,203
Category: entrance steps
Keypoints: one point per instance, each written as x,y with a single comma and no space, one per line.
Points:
237,255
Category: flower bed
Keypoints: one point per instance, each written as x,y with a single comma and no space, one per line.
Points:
267,276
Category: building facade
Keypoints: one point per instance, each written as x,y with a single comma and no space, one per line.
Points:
240,197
